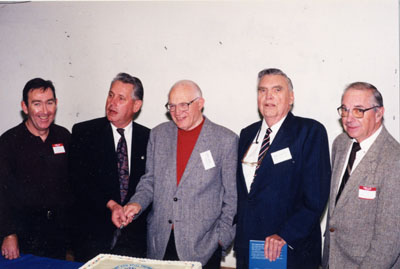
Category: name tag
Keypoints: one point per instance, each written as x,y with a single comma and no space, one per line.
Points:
367,193
58,148
281,155
207,159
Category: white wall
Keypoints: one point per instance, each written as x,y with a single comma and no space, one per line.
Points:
81,46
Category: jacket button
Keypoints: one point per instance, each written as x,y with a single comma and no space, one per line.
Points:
175,199
169,221
332,230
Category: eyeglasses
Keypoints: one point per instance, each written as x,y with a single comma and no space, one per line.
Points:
182,106
357,112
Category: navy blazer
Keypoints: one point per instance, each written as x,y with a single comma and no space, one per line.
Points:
286,198
93,168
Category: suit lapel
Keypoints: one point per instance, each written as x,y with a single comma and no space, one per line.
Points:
108,144
340,161
170,145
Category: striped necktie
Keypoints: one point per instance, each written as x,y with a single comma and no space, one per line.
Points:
264,148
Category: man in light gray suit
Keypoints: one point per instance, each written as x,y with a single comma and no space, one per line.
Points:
191,181
363,227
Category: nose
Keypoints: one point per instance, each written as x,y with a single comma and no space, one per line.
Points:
44,109
112,100
179,110
350,117
269,94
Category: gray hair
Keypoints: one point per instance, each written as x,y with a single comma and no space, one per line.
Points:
275,71
137,92
365,86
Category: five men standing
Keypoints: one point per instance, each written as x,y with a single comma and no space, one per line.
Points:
196,180
283,178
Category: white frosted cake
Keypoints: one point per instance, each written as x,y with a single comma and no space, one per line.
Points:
109,261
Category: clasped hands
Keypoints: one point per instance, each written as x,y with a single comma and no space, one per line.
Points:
122,216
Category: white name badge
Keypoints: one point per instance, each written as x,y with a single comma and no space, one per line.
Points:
367,193
58,148
207,159
281,155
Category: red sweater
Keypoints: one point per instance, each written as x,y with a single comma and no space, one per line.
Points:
186,142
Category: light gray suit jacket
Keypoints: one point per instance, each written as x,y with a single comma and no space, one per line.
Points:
365,233
203,206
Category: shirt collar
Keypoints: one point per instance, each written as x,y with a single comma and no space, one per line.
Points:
127,128
367,143
275,128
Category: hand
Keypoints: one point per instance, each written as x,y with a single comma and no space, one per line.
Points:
9,248
273,247
131,210
117,214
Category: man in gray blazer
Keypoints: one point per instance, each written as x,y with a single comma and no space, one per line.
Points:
191,181
363,227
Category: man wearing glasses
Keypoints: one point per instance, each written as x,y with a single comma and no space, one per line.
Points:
191,180
283,178
364,213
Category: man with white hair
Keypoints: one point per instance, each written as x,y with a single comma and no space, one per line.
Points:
191,181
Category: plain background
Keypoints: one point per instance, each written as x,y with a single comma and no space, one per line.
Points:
221,45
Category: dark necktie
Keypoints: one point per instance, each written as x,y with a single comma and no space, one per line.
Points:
123,167
356,147
264,148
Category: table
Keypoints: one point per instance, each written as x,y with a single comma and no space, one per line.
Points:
35,262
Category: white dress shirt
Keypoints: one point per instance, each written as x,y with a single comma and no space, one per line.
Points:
252,153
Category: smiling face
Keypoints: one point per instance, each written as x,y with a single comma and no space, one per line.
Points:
40,110
361,129
191,118
274,98
120,106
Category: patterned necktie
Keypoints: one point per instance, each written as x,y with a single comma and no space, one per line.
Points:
123,167
356,147
264,148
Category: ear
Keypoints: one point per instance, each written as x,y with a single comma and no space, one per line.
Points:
201,103
137,105
291,97
24,107
379,114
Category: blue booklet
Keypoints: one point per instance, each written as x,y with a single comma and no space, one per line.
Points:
257,259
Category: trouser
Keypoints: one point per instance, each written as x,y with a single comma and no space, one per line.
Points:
171,254
43,233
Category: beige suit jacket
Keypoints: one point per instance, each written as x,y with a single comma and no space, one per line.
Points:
364,233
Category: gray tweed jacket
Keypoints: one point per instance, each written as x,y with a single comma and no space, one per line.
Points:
365,233
203,206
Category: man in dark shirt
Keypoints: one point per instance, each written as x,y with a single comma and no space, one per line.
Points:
34,178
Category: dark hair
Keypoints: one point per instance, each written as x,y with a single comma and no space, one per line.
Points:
377,96
37,83
137,84
275,71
